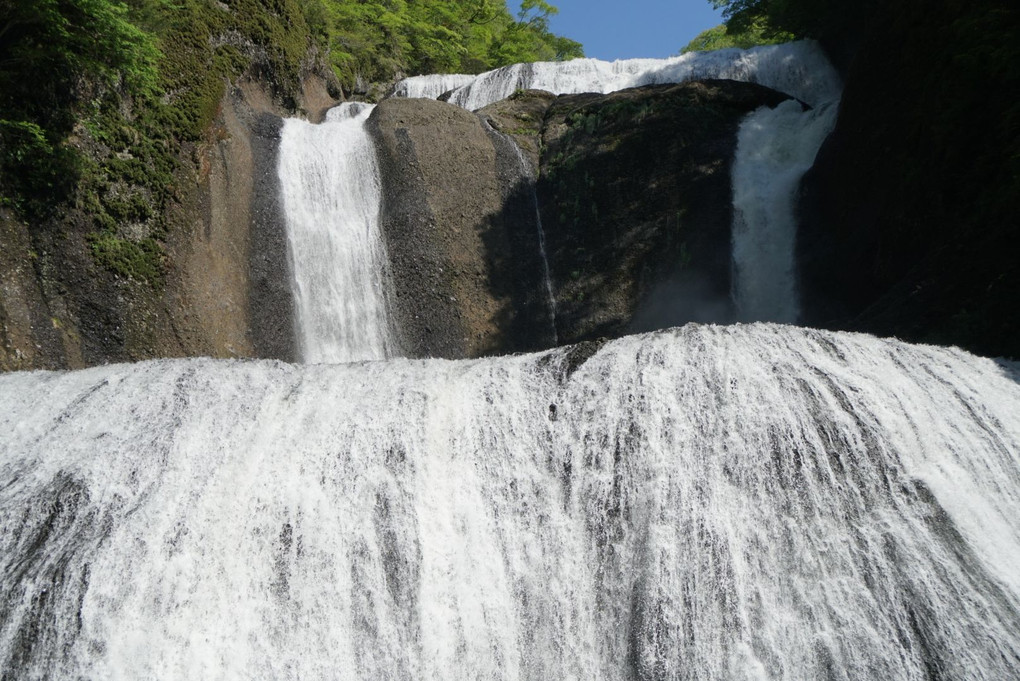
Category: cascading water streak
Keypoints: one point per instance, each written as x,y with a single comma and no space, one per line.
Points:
775,147
527,174
330,184
746,502
799,69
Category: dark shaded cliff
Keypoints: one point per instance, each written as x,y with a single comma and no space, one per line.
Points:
911,216
637,205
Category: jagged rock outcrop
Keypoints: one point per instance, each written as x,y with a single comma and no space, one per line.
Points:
459,224
636,204
521,116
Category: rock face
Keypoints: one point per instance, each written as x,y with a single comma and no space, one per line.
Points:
909,217
232,283
635,201
225,290
459,224
636,205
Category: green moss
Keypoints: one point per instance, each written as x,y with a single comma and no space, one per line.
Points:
142,261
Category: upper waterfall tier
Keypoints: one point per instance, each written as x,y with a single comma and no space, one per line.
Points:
329,179
799,69
758,502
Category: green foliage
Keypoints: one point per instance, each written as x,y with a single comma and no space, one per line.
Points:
722,36
376,40
32,168
821,19
48,48
141,261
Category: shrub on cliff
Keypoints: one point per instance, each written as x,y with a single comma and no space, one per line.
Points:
48,48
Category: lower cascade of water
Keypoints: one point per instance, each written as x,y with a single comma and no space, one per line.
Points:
329,181
747,502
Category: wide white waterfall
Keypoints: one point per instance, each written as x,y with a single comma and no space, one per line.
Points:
747,502
775,147
799,69
329,180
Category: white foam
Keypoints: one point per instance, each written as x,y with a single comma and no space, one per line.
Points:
707,503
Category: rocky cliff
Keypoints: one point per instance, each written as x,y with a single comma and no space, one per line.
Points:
221,286
909,217
634,190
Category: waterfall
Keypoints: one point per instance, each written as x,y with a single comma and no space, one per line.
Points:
746,502
775,147
430,86
329,180
799,69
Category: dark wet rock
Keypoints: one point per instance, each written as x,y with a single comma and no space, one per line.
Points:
636,204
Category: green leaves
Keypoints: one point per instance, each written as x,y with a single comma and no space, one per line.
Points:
722,36
374,40
48,49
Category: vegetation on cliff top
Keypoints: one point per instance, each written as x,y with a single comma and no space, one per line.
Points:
722,37
101,102
376,39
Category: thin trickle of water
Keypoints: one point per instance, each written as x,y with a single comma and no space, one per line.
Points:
528,175
330,184
704,503
775,147
799,69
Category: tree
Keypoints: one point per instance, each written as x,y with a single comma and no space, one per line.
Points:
721,37
374,40
48,50
821,19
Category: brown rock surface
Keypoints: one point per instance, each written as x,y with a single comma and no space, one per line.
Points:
463,249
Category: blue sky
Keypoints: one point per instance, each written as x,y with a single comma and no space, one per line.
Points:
620,29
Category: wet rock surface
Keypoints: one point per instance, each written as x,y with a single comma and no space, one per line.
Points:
636,204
